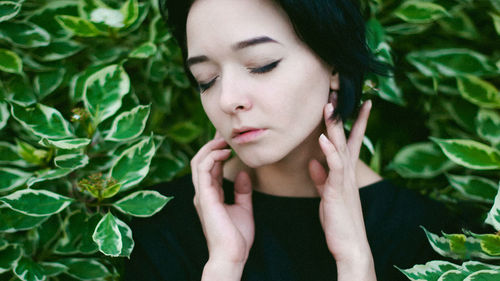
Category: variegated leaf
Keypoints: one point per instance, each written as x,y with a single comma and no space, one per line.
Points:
12,178
36,202
144,203
130,124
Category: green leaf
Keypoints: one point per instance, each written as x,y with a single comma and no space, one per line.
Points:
79,228
4,115
78,26
20,91
478,91
53,268
415,11
488,125
130,12
28,270
450,62
184,132
407,28
463,112
13,221
73,161
106,18
133,164
143,12
47,82
12,178
144,203
107,236
86,269
145,50
86,7
8,155
130,124
164,168
484,275
48,174
31,154
441,245
493,217
420,160
459,24
104,90
45,15
474,187
10,61
9,257
496,22
127,241
453,275
431,271
24,34
36,202
41,120
58,50
388,90
469,153
65,144
8,10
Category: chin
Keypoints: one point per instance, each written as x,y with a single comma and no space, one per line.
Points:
255,159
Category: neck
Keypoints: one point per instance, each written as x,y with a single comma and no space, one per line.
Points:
290,176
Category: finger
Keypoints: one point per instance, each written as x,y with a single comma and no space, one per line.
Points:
206,187
335,129
202,154
335,162
358,130
243,190
318,175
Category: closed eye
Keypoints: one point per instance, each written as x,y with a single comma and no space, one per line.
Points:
265,68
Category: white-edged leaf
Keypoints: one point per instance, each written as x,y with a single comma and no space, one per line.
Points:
469,153
71,161
478,91
65,144
130,124
104,90
9,9
474,187
420,160
13,221
127,241
48,174
9,155
133,164
36,202
130,12
10,62
493,217
145,50
429,271
107,236
53,268
47,82
4,114
78,26
86,269
28,270
9,257
43,121
58,50
144,203
12,178
488,125
484,275
24,34
415,11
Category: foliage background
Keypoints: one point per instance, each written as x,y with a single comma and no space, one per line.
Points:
94,107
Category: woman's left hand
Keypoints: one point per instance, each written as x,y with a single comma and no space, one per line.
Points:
340,209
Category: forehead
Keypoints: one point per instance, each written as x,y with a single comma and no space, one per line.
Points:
217,24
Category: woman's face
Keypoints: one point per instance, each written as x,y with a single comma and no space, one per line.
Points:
255,73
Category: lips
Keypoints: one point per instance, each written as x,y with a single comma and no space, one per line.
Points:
245,135
242,130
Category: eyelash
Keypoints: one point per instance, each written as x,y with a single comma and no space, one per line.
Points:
260,70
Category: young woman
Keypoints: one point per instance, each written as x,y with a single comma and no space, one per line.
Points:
276,79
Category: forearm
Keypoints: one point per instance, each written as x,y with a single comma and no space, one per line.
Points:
223,271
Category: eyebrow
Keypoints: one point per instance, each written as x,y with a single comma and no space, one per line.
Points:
236,47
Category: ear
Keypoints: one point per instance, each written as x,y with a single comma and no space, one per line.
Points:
334,87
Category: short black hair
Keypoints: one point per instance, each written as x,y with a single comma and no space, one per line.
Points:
333,29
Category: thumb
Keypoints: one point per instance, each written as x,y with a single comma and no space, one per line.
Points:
318,175
243,190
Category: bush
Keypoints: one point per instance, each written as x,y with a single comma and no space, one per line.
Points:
94,106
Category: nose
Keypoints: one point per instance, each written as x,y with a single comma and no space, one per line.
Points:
234,95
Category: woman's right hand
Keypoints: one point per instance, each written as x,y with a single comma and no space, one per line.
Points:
229,229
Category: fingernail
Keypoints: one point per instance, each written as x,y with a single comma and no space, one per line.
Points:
323,138
329,108
369,102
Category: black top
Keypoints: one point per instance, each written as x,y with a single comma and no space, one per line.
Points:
289,241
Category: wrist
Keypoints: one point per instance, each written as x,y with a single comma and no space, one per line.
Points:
222,270
362,268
